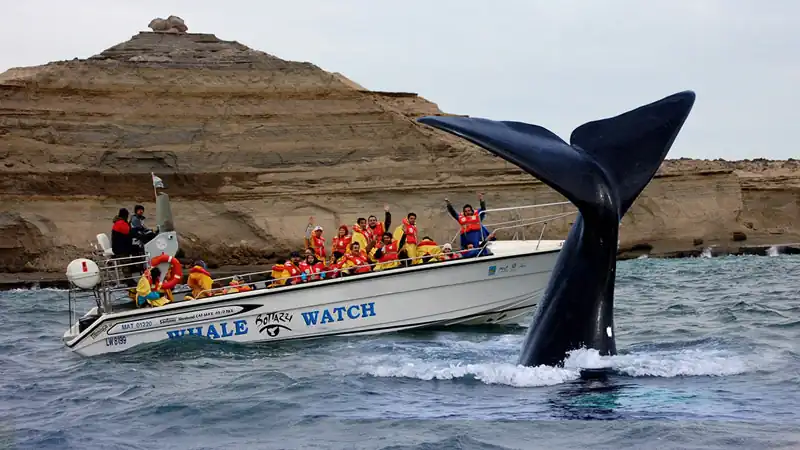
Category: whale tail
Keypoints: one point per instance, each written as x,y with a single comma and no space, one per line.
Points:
623,151
602,171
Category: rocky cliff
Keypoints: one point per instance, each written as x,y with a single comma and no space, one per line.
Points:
250,145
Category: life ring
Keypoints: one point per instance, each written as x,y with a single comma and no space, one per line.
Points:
177,270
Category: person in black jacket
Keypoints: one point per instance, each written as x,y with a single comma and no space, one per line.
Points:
121,238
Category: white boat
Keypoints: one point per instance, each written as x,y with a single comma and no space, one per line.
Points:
494,289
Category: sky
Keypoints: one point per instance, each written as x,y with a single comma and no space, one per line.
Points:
556,63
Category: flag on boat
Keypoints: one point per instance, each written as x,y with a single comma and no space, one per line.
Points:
157,182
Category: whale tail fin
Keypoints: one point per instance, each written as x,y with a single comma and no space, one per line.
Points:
622,152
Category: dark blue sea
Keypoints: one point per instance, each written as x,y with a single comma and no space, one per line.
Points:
709,358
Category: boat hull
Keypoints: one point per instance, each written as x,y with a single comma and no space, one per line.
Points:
486,290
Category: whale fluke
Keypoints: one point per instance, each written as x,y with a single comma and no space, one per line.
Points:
602,171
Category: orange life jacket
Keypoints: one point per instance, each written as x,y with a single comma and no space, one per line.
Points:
318,244
359,260
341,244
389,252
410,232
377,232
469,223
294,272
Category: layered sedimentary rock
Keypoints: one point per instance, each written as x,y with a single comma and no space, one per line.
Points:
250,145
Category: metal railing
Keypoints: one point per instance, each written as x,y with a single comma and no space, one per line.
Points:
274,282
519,222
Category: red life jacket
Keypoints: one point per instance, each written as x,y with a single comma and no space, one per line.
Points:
334,269
318,244
469,223
341,244
316,270
410,231
377,232
294,272
359,260
449,256
389,252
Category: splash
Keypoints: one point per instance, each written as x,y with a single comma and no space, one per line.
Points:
706,253
667,364
773,251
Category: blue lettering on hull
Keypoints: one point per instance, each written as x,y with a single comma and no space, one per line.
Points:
213,331
338,314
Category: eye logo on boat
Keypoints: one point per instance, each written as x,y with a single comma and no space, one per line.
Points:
273,323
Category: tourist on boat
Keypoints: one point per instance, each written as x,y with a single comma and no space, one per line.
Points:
277,276
408,230
472,230
481,249
199,281
447,252
375,229
291,270
138,229
356,262
428,250
360,233
235,285
121,239
386,252
341,243
145,295
313,269
335,267
314,239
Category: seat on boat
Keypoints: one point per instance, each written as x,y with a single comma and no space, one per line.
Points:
105,244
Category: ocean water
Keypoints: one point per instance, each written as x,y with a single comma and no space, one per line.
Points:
709,358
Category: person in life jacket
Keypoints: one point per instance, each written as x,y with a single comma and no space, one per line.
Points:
472,230
335,267
291,270
356,262
199,281
277,273
341,243
375,229
145,295
236,285
478,250
314,239
362,235
386,252
408,229
312,268
428,250
447,253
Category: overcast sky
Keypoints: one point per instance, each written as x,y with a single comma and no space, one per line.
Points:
556,63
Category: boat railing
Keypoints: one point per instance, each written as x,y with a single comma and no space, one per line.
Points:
518,224
276,282
117,275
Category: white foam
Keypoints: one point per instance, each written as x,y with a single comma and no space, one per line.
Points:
773,251
700,362
488,373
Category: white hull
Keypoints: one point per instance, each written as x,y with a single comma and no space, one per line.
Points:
475,291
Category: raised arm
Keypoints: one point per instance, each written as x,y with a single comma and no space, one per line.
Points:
450,209
482,214
387,217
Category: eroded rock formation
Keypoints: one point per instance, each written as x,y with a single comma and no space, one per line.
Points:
250,145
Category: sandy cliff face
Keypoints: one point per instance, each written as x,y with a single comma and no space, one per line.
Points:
249,146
